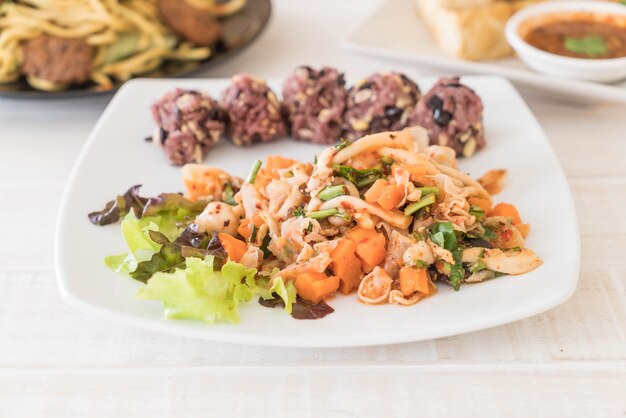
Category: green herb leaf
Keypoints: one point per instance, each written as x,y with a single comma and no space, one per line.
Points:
442,234
457,273
591,45
298,213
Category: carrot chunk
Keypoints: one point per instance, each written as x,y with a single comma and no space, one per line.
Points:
315,287
346,266
234,247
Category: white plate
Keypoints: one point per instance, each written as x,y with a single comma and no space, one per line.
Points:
395,31
116,157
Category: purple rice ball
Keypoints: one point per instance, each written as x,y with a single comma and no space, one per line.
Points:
254,112
452,113
315,101
191,115
381,102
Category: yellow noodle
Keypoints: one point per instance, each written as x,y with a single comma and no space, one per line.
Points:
100,23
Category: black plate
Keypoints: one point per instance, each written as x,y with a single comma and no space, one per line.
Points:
238,30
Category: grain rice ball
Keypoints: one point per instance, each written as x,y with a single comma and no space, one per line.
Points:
381,102
314,102
453,115
191,115
254,112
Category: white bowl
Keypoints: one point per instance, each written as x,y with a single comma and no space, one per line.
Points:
598,70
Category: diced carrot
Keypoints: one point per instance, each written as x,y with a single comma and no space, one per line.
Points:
391,197
524,229
370,246
315,287
263,178
374,192
367,267
507,210
245,226
346,266
484,204
234,247
414,279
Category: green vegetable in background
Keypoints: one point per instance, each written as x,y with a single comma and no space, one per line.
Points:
591,45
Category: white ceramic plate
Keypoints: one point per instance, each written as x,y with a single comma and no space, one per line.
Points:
395,31
116,157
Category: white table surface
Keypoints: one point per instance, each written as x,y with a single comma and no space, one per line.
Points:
58,362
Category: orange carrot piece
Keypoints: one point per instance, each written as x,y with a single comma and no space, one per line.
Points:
370,246
414,279
484,204
374,192
391,197
507,210
245,226
314,286
234,247
346,266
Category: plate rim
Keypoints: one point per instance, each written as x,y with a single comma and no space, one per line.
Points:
523,77
171,327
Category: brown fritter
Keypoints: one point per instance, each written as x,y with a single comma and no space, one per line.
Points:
195,25
56,59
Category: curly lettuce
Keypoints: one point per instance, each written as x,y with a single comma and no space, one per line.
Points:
201,292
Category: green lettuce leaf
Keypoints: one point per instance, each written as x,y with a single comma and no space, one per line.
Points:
136,233
286,293
199,292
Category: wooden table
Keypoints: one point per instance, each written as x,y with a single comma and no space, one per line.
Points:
58,362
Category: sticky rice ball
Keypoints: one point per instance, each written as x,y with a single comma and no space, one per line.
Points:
314,102
381,102
189,123
254,112
453,115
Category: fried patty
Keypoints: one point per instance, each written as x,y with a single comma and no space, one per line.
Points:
58,60
195,25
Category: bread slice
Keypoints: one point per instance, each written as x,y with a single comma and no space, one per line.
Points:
470,29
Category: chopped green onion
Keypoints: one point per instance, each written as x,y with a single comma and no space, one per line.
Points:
322,214
420,264
331,192
229,195
477,212
255,170
423,202
253,233
298,213
343,143
429,190
344,215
